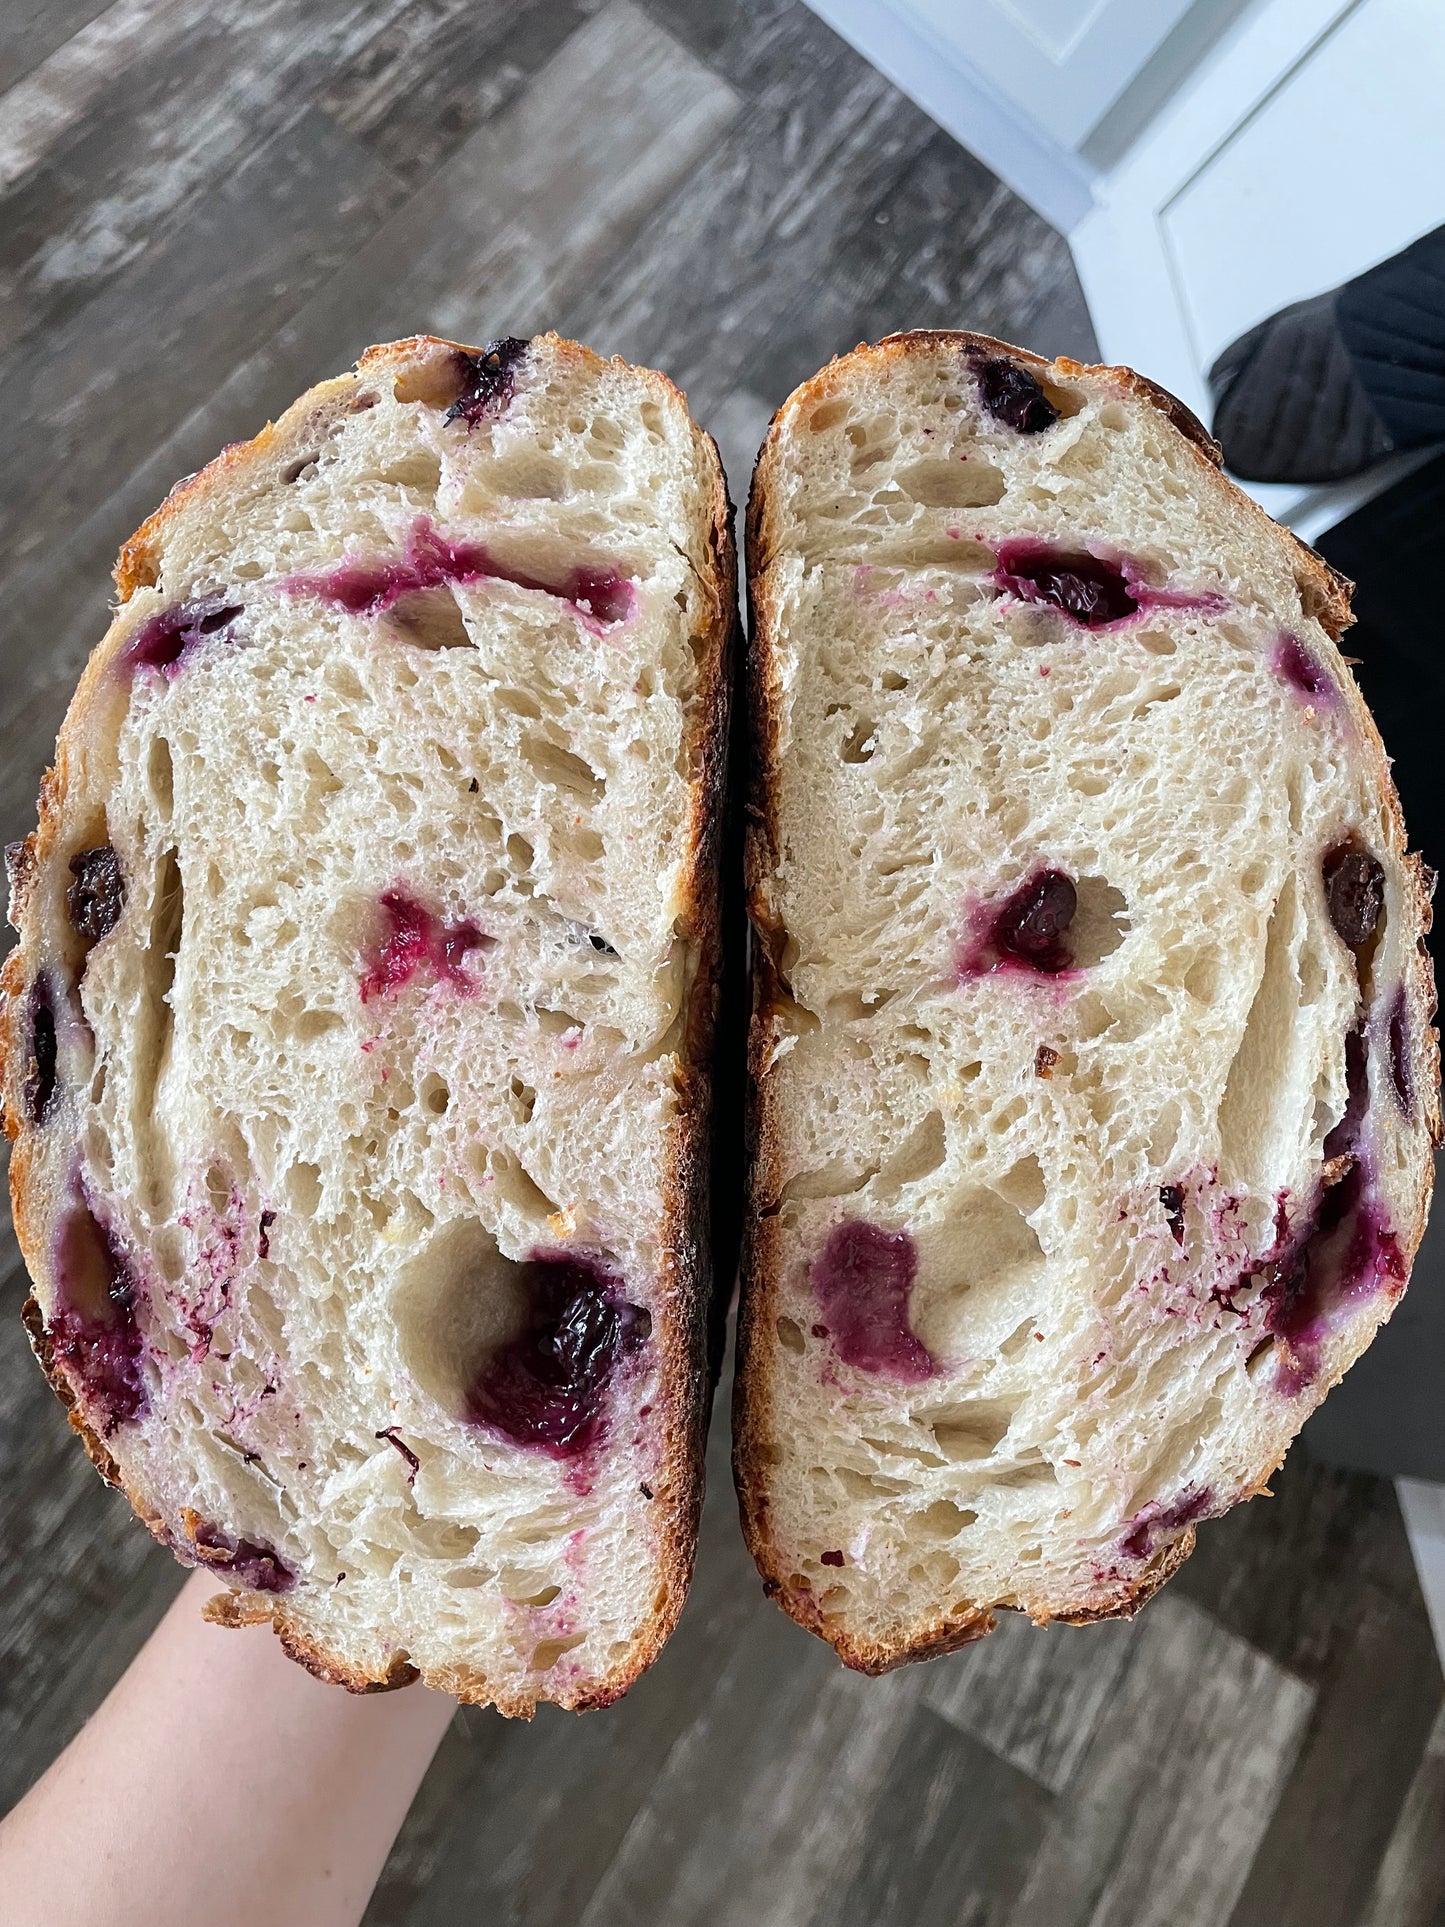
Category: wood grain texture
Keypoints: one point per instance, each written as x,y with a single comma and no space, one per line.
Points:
206,205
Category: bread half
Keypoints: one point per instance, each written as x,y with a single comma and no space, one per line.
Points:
359,1028
1095,1084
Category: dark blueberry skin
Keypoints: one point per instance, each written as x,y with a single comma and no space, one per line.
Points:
1354,893
1342,1139
1402,1068
259,1567
487,380
1012,396
863,1279
548,1387
1171,1196
1089,590
93,1332
1030,925
161,642
96,898
41,1074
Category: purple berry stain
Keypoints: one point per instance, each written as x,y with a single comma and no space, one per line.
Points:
1154,1524
1296,665
1089,590
41,1072
96,897
414,939
258,1567
1341,1254
863,1278
1354,893
93,1332
1026,931
600,598
487,379
548,1386
1012,396
167,637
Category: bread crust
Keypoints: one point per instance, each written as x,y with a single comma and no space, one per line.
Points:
686,1280
1326,594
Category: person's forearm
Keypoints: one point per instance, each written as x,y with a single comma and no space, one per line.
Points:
219,1785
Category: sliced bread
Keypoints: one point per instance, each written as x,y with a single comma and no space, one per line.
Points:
358,1033
1094,1079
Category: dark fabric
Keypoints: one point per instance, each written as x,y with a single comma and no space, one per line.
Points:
1388,1415
1392,323
1289,405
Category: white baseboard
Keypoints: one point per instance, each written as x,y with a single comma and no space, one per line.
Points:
1048,176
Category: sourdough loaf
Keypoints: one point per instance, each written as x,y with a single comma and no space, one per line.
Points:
1094,1078
359,1027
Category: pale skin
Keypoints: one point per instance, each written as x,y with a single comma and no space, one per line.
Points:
219,1785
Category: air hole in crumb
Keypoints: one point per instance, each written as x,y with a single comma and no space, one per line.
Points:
828,415
561,770
435,1095
430,619
548,1651
861,742
160,775
942,1520
522,1100
969,1431
303,1187
790,1335
1157,642
1101,922
964,484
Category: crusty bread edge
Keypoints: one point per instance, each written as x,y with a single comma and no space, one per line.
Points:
1327,596
685,1391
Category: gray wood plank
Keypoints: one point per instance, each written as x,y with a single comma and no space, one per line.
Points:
1409,1889
32,29
416,90
949,1842
1372,1721
1034,1694
1164,1814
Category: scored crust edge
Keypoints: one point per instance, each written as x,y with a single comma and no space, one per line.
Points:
1327,595
685,1279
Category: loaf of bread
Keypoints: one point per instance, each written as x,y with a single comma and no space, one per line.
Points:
1094,1078
359,1028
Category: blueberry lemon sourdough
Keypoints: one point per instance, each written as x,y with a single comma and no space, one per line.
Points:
1095,1084
358,1032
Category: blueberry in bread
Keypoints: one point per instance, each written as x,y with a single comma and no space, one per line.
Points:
358,1032
1094,1079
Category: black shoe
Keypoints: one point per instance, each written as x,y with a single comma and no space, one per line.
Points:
1328,386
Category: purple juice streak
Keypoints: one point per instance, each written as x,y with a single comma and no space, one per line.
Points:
488,380
416,938
1402,1067
167,637
1296,665
93,1331
259,1567
1026,931
548,1387
863,1278
1153,1523
599,598
42,1072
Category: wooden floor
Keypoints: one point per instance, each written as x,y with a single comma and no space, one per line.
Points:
206,205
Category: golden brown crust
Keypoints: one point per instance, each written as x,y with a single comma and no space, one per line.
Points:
685,1272
1325,594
